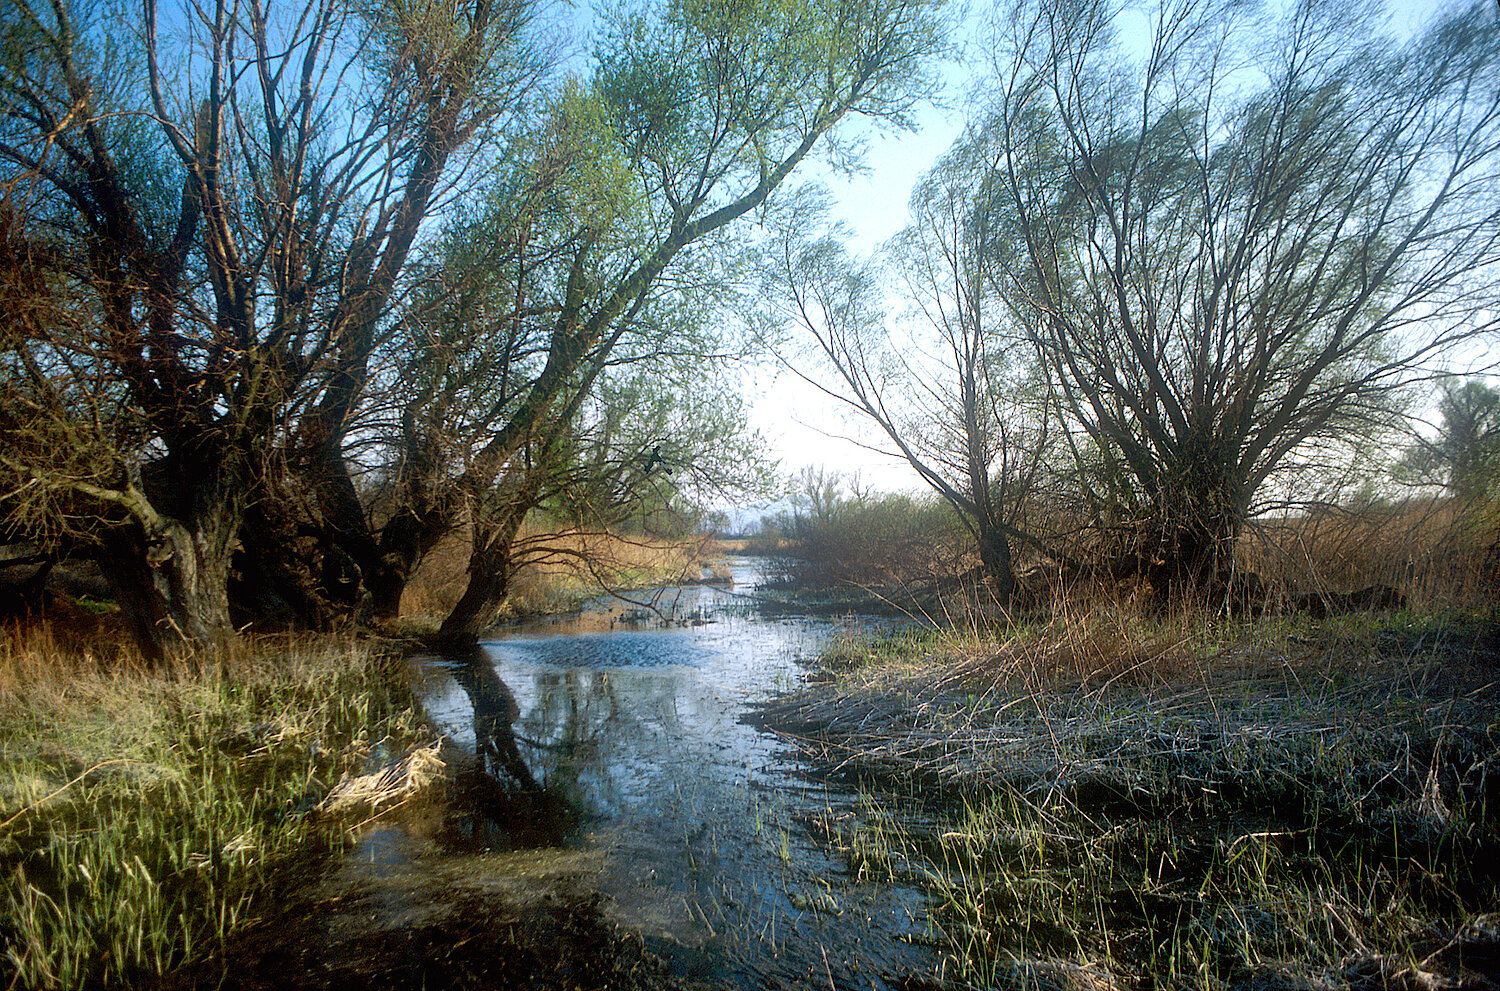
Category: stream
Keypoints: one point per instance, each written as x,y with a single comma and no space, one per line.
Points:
691,828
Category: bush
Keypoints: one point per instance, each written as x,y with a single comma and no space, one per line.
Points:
880,540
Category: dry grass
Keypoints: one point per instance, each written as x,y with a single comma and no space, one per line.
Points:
1436,552
1078,698
365,796
1180,804
1439,552
558,571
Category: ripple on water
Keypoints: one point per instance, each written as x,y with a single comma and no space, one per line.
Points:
699,820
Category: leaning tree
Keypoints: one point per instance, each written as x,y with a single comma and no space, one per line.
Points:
943,391
692,118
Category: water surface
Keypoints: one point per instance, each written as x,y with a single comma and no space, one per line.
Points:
697,826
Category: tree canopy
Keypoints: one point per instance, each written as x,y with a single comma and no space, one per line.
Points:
261,256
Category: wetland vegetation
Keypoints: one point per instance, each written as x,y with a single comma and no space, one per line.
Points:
1099,803
154,819
1097,795
150,814
340,341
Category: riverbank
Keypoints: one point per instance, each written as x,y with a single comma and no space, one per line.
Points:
148,815
223,823
1101,804
558,573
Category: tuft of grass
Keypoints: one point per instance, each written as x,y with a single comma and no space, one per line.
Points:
850,650
145,816
1182,804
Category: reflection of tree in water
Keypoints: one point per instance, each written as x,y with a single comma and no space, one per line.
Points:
495,713
572,720
592,731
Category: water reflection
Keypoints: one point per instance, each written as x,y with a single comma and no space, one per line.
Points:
495,713
499,804
702,822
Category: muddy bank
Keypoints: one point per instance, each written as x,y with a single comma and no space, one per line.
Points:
440,930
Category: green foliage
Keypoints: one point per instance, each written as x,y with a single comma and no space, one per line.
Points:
268,292
713,94
1465,454
1218,271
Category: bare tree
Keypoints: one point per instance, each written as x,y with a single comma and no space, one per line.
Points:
821,490
953,410
1229,252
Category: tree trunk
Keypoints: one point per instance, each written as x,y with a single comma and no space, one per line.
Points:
387,584
995,556
168,556
1191,554
405,540
275,580
172,582
489,580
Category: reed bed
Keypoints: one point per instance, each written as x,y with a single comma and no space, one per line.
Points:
1200,805
556,571
147,815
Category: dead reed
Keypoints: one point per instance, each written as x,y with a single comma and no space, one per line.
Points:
1181,804
1440,552
556,571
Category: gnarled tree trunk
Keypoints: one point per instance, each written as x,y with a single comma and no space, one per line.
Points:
1189,551
171,578
489,580
995,556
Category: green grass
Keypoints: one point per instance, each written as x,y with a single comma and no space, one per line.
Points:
854,650
1209,895
147,817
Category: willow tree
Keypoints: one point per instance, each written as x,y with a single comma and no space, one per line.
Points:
1463,456
694,116
210,212
1240,241
647,419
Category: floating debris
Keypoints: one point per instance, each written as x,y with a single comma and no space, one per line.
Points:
398,782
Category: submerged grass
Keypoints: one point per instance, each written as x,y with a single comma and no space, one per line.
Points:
1183,804
145,816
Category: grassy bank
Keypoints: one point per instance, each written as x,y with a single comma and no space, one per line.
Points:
146,816
1108,803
